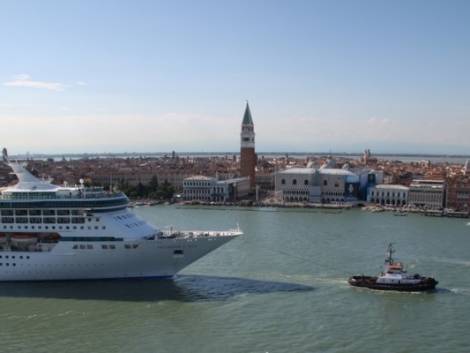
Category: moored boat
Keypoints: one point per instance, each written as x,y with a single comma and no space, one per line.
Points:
400,213
394,277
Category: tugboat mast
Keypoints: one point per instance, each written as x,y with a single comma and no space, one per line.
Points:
389,253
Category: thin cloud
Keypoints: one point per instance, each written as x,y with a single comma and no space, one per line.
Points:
25,80
81,83
378,121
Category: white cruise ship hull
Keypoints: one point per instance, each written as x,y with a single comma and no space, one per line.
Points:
151,258
51,232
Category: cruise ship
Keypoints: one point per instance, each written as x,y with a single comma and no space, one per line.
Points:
52,232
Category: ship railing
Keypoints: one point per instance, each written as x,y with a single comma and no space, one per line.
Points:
187,234
28,196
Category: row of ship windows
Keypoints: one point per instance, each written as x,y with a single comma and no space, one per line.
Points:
8,264
33,212
13,257
43,265
134,246
125,216
136,224
33,219
53,227
103,246
47,220
129,225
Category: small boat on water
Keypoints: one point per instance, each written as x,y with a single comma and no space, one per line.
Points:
394,277
400,213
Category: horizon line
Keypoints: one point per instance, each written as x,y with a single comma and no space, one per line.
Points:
322,153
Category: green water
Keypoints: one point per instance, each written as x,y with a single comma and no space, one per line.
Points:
279,288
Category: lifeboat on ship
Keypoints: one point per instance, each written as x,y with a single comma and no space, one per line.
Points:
23,238
49,237
3,238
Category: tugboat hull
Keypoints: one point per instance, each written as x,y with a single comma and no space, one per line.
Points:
425,284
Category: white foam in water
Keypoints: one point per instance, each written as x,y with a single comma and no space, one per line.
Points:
461,291
453,261
308,279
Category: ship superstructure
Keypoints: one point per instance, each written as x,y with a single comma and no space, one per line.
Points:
51,232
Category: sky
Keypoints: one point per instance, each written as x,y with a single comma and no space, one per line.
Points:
156,76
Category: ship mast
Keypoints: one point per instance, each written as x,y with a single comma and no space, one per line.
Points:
389,253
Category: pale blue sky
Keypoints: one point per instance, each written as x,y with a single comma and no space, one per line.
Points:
113,76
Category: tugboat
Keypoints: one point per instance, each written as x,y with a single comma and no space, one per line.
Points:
394,277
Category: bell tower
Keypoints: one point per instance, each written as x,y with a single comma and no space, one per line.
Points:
247,147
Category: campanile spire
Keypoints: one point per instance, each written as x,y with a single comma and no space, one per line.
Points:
247,147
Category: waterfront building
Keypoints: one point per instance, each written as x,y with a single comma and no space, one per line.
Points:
388,194
298,185
427,194
458,193
199,188
265,181
209,189
338,185
234,189
132,171
368,179
325,185
247,148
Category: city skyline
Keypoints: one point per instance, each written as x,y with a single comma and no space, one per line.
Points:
84,77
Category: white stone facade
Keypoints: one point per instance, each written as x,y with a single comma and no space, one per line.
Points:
199,188
388,195
427,194
298,185
312,185
208,189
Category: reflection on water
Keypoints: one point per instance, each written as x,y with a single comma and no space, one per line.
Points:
188,288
